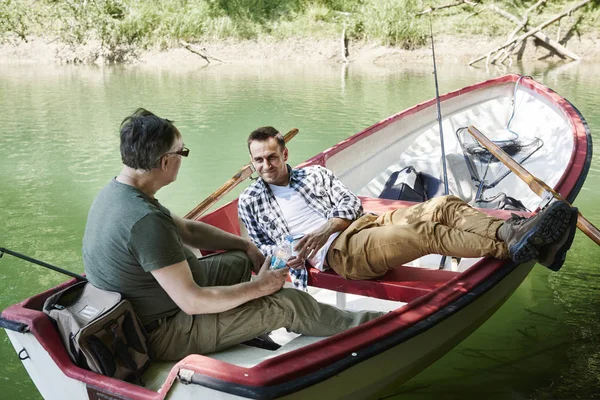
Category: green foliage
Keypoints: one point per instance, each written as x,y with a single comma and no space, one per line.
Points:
318,13
85,22
119,27
392,22
259,11
15,20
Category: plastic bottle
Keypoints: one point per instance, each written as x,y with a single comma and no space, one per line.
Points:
282,253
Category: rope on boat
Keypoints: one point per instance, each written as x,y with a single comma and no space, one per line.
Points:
514,106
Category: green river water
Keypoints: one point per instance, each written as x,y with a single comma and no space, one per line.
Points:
59,146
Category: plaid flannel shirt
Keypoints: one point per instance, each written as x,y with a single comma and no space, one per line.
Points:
318,186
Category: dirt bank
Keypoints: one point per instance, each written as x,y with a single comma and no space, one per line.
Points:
297,50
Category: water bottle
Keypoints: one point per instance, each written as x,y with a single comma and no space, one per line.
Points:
282,253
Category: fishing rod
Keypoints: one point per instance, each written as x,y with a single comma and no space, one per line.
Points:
439,118
43,264
439,111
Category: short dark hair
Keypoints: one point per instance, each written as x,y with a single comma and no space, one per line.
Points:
265,133
145,138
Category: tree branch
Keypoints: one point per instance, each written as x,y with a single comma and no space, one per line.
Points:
457,3
517,41
202,52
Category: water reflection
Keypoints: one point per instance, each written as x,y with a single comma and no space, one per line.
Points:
60,146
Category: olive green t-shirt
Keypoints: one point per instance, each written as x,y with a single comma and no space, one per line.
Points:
127,235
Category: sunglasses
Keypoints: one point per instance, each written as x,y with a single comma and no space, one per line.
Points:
183,152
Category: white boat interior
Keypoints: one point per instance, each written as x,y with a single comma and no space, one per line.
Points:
249,356
503,112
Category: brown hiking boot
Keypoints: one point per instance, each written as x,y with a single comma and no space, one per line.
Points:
553,255
526,236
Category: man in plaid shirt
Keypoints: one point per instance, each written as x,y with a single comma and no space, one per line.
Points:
312,203
321,191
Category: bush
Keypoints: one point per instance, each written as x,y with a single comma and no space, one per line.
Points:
15,20
115,28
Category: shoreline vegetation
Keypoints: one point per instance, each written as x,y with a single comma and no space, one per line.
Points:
208,32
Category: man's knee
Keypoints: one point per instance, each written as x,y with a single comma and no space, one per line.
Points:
445,201
359,267
293,300
242,258
239,260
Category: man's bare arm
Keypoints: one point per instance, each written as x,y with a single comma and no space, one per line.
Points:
204,236
178,282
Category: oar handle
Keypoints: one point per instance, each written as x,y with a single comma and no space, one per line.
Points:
201,208
538,186
235,180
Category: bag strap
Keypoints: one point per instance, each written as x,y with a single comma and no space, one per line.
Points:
120,350
77,353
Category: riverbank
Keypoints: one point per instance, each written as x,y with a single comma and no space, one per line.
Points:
453,49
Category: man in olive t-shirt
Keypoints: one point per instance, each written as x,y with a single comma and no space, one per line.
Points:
129,234
135,246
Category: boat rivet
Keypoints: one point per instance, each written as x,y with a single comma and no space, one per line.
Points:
354,354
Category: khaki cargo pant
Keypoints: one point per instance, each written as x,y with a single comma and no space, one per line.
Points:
181,334
372,245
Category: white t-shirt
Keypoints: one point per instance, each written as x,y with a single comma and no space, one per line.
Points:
301,219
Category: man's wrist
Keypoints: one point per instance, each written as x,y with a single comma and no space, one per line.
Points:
246,244
335,225
259,288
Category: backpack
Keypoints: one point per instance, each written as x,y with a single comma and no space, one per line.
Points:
410,185
100,331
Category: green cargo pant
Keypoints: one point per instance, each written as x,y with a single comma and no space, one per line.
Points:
297,311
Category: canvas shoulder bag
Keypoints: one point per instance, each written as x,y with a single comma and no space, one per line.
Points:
100,331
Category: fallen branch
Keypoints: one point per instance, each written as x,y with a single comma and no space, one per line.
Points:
517,41
344,45
521,24
524,20
202,52
558,48
536,32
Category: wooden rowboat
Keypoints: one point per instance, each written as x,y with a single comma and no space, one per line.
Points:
431,309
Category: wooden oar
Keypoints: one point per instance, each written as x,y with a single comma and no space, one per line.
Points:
239,177
538,186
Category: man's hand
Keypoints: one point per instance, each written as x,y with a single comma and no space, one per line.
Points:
296,262
271,280
255,256
311,243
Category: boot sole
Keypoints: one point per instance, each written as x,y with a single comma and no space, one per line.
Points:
561,254
550,228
